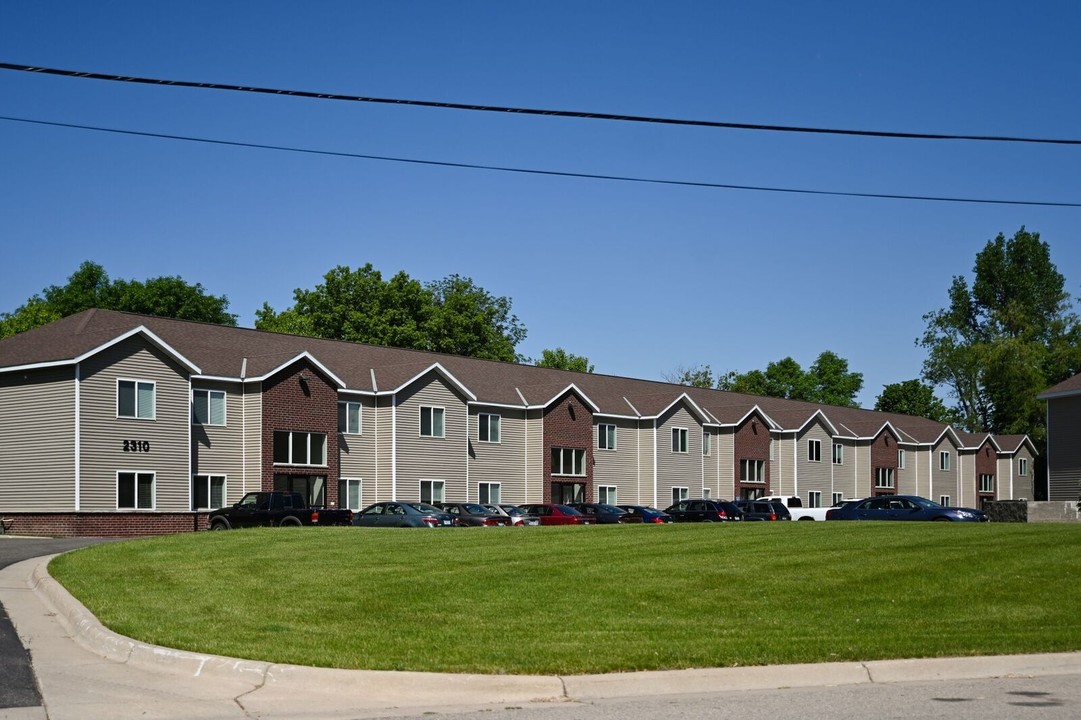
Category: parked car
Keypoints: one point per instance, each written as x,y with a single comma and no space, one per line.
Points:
474,514
904,507
648,514
604,513
796,508
403,514
556,514
518,516
704,510
275,508
763,510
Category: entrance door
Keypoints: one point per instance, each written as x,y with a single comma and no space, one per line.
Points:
565,493
312,488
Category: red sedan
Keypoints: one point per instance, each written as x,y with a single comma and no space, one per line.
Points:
556,514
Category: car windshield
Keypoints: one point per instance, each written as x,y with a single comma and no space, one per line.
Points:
513,510
925,503
424,507
474,509
567,510
611,509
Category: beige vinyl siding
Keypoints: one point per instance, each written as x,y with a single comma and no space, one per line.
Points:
533,474
218,449
676,469
251,417
844,475
37,440
1011,484
358,454
724,464
381,485
619,467
1063,448
103,433
908,477
944,482
815,476
502,462
431,458
782,467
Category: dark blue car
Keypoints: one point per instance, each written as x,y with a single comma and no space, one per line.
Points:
648,514
904,507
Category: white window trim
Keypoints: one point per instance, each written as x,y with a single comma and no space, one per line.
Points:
602,436
498,488
707,443
480,420
944,500
153,490
291,462
944,460
209,393
343,499
685,440
746,476
153,410
817,455
680,493
901,459
562,464
207,477
838,454
360,417
814,499
441,484
885,478
1022,467
420,421
604,490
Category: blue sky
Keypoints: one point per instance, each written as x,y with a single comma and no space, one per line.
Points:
642,279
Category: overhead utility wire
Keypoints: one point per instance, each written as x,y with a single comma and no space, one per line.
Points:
553,173
535,111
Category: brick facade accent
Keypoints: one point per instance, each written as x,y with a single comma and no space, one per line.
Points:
884,455
113,524
986,464
301,398
568,423
751,442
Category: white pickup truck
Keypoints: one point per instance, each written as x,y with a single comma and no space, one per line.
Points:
795,506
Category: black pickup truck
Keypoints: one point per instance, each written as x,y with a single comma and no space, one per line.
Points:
278,508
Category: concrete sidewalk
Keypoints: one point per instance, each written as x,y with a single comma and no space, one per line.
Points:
86,671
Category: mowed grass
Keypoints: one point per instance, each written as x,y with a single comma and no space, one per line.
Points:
592,599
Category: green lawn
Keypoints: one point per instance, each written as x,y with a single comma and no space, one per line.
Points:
592,599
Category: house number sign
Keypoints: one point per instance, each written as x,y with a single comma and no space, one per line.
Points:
137,446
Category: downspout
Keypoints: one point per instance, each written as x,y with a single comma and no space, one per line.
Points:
637,453
960,480
78,438
525,459
190,468
376,453
795,462
655,462
244,428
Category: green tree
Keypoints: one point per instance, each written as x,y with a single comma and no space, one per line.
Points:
1005,339
452,315
913,397
90,287
700,376
828,381
560,359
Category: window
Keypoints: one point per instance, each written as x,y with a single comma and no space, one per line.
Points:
488,492
679,494
135,399
299,448
943,461
488,427
207,492
1022,466
814,499
135,491
944,500
814,450
349,493
568,461
883,477
838,454
679,440
431,421
606,494
706,443
901,459
836,499
349,418
752,471
606,436
208,407
987,483
771,455
431,491
707,493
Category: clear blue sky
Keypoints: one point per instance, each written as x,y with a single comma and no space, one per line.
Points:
641,279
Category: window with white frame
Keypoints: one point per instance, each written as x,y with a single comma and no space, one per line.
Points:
707,443
207,492
350,493
208,407
707,493
568,461
489,492
431,421
488,427
680,493
987,483
814,450
752,471
349,418
135,399
836,499
606,436
135,491
944,460
771,456
679,440
900,459
838,454
431,491
814,499
1022,466
300,448
944,500
606,494
884,478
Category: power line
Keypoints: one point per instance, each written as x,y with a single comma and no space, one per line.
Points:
534,171
535,111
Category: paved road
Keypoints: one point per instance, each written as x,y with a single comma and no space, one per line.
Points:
19,687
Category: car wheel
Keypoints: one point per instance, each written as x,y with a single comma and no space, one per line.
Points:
941,519
806,518
289,522
219,525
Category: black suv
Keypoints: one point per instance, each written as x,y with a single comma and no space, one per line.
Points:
763,510
704,510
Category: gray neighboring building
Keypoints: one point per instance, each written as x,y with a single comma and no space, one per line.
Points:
1064,440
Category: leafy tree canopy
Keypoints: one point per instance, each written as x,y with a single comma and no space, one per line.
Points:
452,315
1004,340
560,359
700,376
90,287
913,397
827,381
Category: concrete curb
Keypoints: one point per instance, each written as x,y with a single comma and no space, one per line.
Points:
273,683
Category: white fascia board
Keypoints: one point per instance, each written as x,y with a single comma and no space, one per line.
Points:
893,431
508,406
952,433
361,393
442,372
615,416
188,365
702,415
773,425
826,421
577,391
297,358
